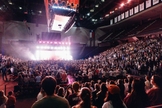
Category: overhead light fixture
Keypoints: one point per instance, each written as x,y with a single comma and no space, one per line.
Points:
122,4
128,1
63,8
20,8
106,15
40,11
92,10
96,5
10,3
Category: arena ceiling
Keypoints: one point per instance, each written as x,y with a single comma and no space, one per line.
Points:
91,13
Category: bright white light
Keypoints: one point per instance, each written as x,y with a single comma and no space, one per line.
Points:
10,3
128,1
56,55
38,47
106,15
63,8
92,10
20,8
59,22
122,5
40,12
96,5
88,14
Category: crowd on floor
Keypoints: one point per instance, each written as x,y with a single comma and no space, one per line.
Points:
101,81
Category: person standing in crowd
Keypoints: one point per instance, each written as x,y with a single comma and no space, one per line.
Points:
114,98
74,98
101,96
4,73
155,93
3,99
94,93
50,100
85,96
11,100
138,97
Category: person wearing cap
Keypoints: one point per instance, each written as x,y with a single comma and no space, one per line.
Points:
113,99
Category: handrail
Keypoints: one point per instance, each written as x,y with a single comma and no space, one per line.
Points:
156,106
5,88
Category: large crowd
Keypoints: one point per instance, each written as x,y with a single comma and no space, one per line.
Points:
126,76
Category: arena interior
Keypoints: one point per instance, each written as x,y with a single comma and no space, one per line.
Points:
108,52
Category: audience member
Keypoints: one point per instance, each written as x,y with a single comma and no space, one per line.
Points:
85,96
11,100
114,98
74,98
41,94
3,99
101,96
50,100
155,93
138,97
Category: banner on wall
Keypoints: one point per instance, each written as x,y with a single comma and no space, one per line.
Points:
142,6
131,12
155,2
136,9
91,34
126,14
115,19
148,3
119,18
122,16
